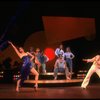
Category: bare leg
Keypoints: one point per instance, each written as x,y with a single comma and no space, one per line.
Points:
55,73
67,73
71,71
34,72
18,84
38,64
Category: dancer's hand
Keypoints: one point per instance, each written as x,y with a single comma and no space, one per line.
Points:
9,42
84,60
31,59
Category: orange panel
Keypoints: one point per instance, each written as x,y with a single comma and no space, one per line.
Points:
58,29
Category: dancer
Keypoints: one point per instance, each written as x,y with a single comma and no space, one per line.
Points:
94,68
59,51
43,60
26,67
33,53
31,50
37,59
60,66
68,55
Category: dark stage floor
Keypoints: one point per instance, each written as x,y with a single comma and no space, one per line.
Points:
93,91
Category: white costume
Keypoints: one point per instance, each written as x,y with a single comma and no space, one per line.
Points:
69,55
94,68
59,51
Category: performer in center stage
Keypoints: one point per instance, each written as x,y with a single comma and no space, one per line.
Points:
37,58
59,51
94,68
31,50
26,67
61,66
43,60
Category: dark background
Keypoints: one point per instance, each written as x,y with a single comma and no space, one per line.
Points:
21,18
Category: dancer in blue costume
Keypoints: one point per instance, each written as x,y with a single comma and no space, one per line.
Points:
26,66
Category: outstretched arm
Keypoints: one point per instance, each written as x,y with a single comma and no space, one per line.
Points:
90,60
85,60
16,50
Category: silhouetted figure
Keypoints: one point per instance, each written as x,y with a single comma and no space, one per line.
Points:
8,76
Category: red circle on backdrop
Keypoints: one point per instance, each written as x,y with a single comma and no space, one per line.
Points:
50,53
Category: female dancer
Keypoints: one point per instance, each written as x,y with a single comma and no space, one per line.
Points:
37,59
59,51
68,55
94,68
43,60
33,53
26,67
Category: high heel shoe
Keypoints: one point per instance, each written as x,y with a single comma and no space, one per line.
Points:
36,87
84,88
17,89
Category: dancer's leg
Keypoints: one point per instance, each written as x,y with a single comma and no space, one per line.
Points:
34,72
55,73
67,73
87,78
18,85
43,68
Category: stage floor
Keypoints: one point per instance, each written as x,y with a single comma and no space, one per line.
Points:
92,91
54,81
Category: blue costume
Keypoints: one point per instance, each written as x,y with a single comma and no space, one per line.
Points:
25,69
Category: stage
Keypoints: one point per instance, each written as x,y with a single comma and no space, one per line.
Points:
7,91
50,88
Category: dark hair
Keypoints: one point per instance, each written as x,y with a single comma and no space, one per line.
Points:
31,49
68,48
60,55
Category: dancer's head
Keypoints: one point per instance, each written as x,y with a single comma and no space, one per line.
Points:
38,50
61,46
42,52
31,49
60,56
21,50
68,49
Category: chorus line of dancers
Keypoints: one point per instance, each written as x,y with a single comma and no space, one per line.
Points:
32,59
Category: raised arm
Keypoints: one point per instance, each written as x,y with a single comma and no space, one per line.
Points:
16,50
